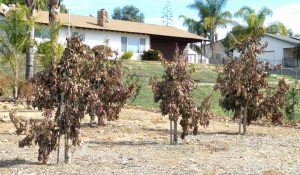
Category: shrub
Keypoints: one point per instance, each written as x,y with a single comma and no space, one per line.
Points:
291,102
174,95
151,55
5,82
127,55
25,89
45,52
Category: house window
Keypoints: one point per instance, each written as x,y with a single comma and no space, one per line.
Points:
142,45
136,45
133,45
124,44
80,35
42,33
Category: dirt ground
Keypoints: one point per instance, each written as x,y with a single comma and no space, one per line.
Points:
138,143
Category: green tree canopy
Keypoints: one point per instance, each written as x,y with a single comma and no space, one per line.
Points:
277,28
211,16
254,21
128,13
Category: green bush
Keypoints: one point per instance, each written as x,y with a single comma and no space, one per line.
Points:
127,55
44,51
151,55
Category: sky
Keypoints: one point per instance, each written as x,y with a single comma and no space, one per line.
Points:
286,11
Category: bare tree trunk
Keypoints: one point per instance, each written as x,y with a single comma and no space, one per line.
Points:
240,120
245,121
67,149
15,88
101,121
202,52
30,55
54,53
16,76
175,133
61,108
171,132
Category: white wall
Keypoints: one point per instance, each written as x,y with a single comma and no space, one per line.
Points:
95,37
274,52
195,58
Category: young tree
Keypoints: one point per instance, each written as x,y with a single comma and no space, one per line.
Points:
241,83
174,94
128,13
84,81
13,40
292,100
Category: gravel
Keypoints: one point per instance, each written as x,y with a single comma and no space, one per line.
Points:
139,144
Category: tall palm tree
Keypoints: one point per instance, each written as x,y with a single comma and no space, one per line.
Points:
197,28
54,9
252,18
211,16
32,5
254,23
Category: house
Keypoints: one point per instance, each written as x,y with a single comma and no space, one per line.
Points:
219,55
122,35
196,58
283,50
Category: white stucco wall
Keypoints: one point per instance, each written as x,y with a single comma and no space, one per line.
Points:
96,37
195,58
274,53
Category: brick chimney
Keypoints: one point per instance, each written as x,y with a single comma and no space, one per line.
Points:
102,18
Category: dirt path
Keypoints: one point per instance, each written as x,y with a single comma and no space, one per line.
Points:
138,143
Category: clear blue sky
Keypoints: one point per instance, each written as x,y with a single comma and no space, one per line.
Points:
286,11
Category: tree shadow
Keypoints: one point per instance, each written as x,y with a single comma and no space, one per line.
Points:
124,143
15,162
166,131
161,131
218,133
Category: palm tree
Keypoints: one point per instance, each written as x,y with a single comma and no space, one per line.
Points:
32,5
54,9
252,18
211,16
254,23
13,39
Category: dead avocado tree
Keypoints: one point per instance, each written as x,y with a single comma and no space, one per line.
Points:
241,83
174,94
84,88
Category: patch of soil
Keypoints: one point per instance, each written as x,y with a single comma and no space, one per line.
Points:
138,143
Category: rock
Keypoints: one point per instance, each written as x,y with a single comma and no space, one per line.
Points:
5,140
4,119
